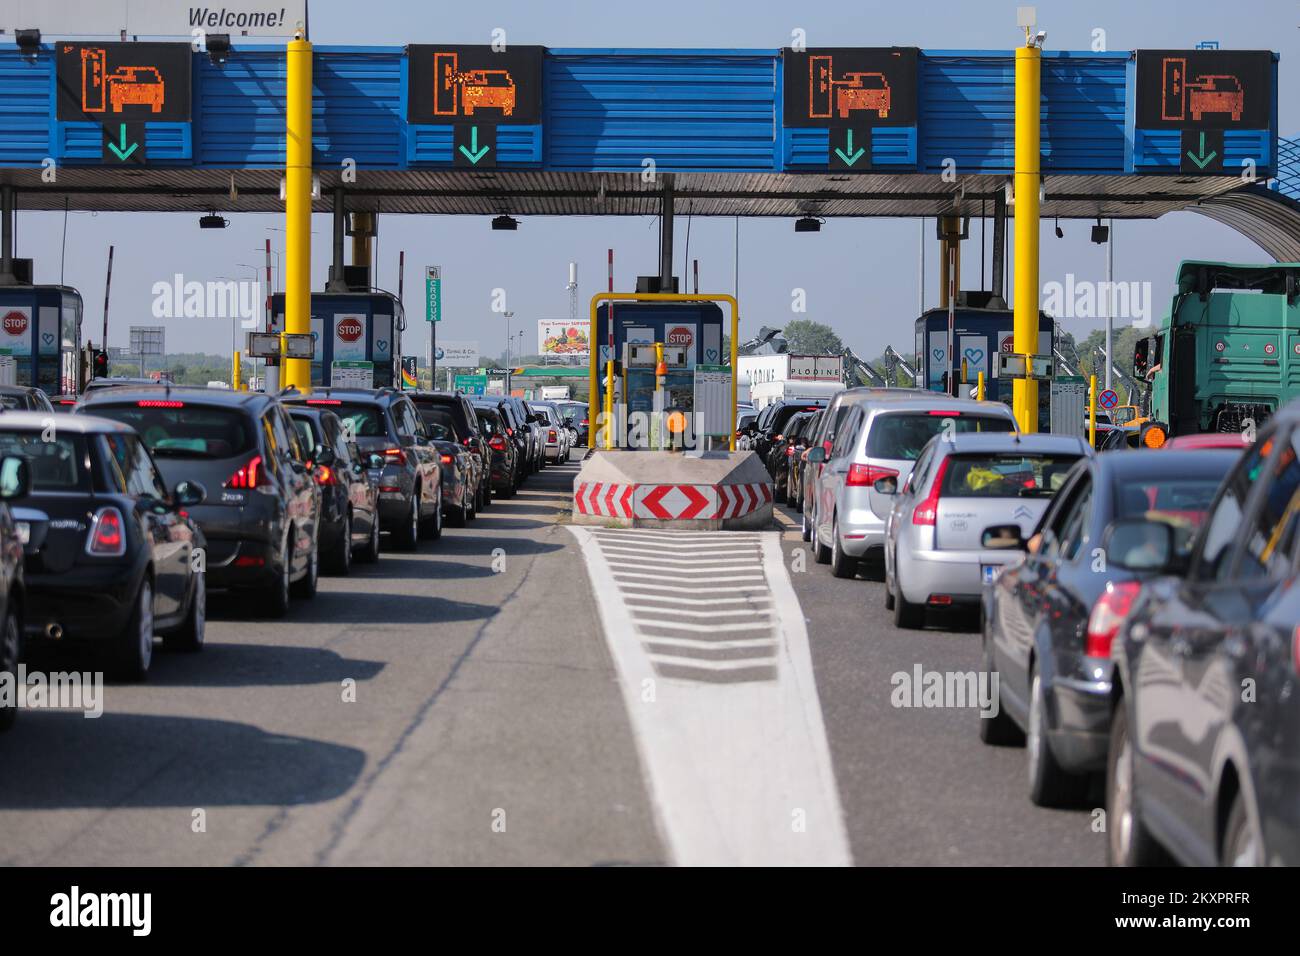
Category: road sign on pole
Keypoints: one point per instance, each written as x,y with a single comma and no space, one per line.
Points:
1108,399
433,294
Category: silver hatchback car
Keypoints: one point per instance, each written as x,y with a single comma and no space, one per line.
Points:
961,485
879,435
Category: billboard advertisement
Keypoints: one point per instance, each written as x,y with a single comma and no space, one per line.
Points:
563,338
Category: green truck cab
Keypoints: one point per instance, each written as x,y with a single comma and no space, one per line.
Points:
1228,351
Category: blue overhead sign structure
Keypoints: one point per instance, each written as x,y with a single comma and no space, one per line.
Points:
574,111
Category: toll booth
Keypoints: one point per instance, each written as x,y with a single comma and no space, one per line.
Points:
692,335
978,335
357,337
40,327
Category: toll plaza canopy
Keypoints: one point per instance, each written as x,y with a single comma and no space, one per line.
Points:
889,131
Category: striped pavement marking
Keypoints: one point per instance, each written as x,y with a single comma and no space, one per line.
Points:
712,654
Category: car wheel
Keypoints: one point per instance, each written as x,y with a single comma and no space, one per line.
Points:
135,643
431,527
1050,785
999,730
277,595
1240,839
1128,841
341,562
407,536
842,566
906,614
459,517
370,553
821,553
10,643
305,587
188,638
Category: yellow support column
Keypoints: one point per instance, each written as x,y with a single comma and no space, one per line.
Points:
236,375
297,210
609,406
1092,411
1028,105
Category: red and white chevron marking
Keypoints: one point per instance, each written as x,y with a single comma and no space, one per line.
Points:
669,502
604,499
737,500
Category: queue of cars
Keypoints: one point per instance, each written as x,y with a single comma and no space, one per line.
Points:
1140,608
117,519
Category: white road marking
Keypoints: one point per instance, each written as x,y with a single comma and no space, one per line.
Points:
732,738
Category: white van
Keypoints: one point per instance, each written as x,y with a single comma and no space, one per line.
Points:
764,394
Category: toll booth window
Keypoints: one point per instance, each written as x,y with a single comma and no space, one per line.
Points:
902,435
317,373
49,369
382,374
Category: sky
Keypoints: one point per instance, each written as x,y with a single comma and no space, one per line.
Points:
860,275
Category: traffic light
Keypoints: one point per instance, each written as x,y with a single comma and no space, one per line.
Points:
99,363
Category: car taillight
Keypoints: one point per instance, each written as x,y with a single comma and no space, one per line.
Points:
510,432
935,411
394,456
868,475
252,474
789,451
325,475
324,401
1107,615
553,436
159,403
583,422
446,459
928,510
497,443
107,534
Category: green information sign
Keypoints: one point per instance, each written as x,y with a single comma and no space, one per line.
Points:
433,294
471,384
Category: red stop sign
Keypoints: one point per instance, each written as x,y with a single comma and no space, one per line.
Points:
679,336
349,330
15,322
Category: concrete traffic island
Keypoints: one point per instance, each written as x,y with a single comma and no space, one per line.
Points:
716,491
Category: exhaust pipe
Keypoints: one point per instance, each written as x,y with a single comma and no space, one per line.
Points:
54,631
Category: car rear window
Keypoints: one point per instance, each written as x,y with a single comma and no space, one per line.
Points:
438,421
13,401
361,419
175,429
306,431
1006,476
56,465
902,435
1179,501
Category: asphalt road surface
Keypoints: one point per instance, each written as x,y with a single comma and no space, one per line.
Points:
478,702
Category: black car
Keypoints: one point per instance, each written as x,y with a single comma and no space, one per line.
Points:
1205,739
503,465
349,506
453,415
1049,620
517,432
24,398
575,417
113,555
15,482
770,427
527,424
782,453
260,514
384,422
798,465
65,402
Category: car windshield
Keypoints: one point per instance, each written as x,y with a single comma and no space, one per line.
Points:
179,430
1006,476
902,435
55,465
306,434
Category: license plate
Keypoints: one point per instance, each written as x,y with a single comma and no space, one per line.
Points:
989,572
24,529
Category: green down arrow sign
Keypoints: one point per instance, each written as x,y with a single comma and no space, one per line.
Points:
849,156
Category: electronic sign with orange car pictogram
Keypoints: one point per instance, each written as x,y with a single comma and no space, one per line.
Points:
112,83
1204,89
474,84
849,87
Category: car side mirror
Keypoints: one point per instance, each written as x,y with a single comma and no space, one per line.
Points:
1003,537
189,493
1136,544
15,478
816,455
887,485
